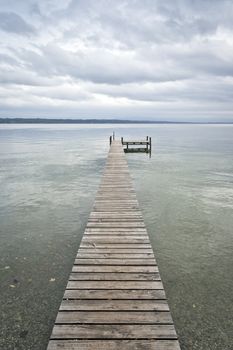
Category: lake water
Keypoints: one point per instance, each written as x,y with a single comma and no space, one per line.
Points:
49,175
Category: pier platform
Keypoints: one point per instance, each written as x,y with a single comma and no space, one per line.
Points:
114,299
142,145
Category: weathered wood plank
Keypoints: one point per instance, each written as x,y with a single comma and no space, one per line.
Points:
117,234
110,276
112,317
114,345
114,256
117,239
115,251
117,220
113,332
119,229
119,294
107,239
129,262
115,268
115,245
114,285
114,305
115,223
117,191
122,208
115,215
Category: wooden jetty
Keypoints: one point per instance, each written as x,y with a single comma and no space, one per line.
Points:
142,145
114,299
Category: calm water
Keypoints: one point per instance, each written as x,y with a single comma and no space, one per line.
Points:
48,179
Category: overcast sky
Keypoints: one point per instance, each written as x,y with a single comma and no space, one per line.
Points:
144,59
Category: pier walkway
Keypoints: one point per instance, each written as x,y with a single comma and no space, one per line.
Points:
114,299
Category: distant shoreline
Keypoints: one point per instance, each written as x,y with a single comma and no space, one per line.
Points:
95,121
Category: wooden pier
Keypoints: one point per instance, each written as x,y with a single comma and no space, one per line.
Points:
114,299
141,145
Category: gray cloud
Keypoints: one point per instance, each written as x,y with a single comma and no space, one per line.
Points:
11,22
172,57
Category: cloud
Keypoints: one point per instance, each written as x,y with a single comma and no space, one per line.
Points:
117,58
13,23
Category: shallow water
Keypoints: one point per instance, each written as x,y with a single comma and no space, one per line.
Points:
49,175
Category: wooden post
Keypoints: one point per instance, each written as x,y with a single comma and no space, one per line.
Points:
110,140
150,144
122,140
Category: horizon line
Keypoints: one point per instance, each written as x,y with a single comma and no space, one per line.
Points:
37,120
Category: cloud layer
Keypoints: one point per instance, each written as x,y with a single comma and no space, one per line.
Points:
146,59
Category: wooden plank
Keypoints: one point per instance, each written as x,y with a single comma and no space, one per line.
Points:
114,184
115,215
111,202
117,201
136,142
109,184
129,262
114,305
118,198
115,268
116,206
115,218
118,294
116,224
117,331
105,236
111,276
114,256
119,229
114,285
114,345
112,317
118,240
108,203
115,245
128,251
117,189
112,233
122,193
121,208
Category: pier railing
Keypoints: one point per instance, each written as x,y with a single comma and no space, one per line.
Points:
137,145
